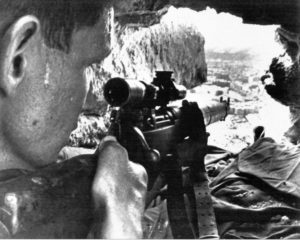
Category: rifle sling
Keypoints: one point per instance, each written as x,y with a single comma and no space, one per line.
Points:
206,217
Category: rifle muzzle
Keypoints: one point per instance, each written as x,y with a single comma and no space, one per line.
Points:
120,92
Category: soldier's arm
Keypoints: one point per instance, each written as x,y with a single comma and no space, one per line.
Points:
119,190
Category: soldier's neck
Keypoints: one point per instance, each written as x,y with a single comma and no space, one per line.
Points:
8,160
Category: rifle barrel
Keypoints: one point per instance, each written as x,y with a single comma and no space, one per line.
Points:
214,112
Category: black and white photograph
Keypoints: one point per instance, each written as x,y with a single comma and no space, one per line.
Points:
150,119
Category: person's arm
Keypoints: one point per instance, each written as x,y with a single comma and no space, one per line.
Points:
119,191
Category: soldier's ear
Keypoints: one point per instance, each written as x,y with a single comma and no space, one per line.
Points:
15,46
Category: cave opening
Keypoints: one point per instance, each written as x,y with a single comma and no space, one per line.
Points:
237,55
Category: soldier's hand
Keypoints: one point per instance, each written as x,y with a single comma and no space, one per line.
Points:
119,191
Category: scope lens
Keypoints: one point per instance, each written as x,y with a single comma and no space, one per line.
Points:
116,91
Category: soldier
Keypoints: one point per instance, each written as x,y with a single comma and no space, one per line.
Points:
45,47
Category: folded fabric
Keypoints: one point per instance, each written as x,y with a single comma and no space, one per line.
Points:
257,196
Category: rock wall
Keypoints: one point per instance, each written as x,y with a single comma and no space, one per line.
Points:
138,54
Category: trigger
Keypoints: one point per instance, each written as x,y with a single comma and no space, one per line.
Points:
152,155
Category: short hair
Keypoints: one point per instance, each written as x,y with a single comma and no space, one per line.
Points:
59,18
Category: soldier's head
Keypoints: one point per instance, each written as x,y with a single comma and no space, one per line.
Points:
44,47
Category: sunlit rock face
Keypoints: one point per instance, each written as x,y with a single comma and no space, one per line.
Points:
90,130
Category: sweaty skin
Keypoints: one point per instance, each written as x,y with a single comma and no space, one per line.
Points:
42,93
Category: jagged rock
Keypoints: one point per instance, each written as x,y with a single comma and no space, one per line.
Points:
89,131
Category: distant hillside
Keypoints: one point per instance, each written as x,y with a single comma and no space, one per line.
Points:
242,55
